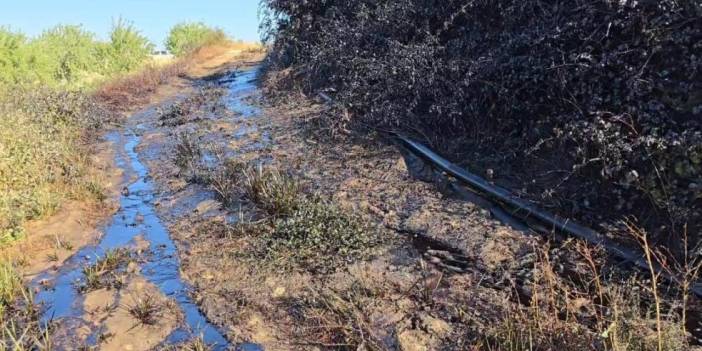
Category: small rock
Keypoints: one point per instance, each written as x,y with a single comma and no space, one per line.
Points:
413,340
278,292
436,326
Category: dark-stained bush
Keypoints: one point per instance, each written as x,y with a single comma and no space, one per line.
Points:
592,108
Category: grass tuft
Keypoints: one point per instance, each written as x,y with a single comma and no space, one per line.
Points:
105,272
147,310
273,191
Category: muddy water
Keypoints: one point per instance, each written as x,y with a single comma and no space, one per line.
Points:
137,218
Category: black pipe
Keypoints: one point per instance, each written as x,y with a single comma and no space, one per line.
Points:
504,196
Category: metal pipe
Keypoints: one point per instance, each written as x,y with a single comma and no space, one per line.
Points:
504,196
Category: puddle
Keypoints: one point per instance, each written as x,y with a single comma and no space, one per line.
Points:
137,217
240,85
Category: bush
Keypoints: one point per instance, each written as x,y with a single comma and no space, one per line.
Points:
66,55
185,38
562,96
13,65
319,237
70,57
127,49
42,160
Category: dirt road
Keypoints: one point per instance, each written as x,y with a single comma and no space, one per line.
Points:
222,193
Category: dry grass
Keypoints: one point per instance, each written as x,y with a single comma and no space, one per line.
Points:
596,312
124,93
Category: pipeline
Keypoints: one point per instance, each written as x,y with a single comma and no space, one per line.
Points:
527,210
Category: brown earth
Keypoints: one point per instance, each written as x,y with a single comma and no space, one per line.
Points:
444,274
399,299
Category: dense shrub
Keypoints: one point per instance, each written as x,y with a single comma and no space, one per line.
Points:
593,107
127,49
186,37
70,57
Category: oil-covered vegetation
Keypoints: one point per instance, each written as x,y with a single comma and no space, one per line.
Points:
588,108
591,108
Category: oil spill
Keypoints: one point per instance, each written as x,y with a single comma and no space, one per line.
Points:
137,217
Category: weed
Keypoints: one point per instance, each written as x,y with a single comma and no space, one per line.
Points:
615,315
104,273
10,284
271,190
336,319
62,244
147,310
196,344
20,326
224,179
52,257
188,156
319,237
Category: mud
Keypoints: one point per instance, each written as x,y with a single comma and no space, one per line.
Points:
444,273
413,304
104,318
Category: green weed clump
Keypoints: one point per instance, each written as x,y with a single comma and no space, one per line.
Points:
20,325
106,272
185,38
320,237
10,285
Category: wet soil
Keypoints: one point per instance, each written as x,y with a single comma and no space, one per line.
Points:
443,274
401,299
104,318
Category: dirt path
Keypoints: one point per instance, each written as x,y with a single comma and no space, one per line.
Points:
200,256
398,297
113,280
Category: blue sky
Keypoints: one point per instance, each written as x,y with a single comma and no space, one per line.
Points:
239,18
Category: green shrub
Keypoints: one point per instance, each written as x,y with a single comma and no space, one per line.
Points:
66,54
186,37
127,49
319,237
13,64
70,57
